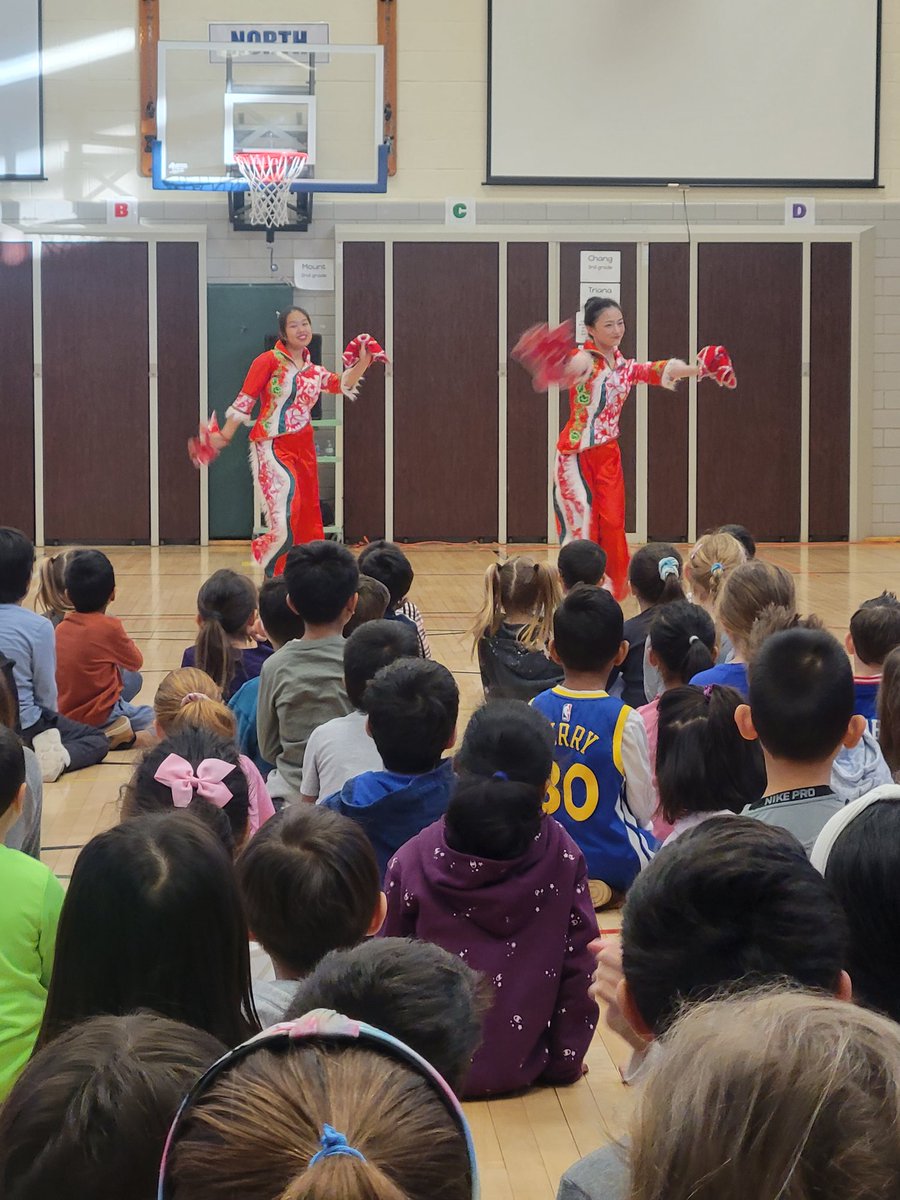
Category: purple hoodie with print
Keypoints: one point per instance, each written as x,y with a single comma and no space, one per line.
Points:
525,924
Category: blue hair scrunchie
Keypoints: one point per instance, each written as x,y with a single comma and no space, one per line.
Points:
668,566
500,775
333,1144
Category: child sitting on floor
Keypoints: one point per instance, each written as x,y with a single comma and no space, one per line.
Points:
372,600
582,561
412,707
601,788
310,884
504,886
281,625
405,987
188,699
27,641
341,749
655,577
30,902
709,564
512,630
97,663
682,642
226,647
302,685
874,633
387,563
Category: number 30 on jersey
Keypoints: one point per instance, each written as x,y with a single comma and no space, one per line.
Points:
577,791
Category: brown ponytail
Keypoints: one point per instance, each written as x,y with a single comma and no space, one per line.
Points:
490,617
226,605
51,599
750,589
256,1130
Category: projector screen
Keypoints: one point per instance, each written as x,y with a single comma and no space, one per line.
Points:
21,150
753,92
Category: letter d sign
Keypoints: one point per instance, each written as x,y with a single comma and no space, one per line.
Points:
800,210
459,212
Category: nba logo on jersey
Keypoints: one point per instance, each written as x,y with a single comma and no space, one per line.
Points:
567,712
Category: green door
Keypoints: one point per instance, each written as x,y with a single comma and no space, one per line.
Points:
239,316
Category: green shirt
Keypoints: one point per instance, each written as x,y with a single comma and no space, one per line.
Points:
300,688
30,901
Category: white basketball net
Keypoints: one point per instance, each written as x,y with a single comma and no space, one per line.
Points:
270,174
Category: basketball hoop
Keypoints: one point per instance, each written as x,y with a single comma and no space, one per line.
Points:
270,174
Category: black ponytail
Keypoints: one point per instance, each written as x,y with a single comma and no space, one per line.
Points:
655,574
683,638
703,764
493,817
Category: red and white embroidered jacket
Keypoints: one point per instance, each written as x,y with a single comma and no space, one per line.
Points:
596,402
287,394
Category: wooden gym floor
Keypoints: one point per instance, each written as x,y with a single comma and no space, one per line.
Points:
524,1143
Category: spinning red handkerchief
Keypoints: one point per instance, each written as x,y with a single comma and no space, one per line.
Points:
715,363
363,340
200,449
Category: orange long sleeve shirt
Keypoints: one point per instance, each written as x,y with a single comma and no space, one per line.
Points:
90,650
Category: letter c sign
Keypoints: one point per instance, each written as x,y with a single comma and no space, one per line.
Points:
459,212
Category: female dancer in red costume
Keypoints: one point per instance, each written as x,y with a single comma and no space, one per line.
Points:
287,385
588,485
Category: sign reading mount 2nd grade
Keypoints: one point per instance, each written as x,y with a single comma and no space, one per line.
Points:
268,38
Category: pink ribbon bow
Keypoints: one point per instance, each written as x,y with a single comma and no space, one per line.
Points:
177,774
363,340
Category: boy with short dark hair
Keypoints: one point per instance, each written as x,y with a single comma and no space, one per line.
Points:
731,905
302,685
341,748
280,625
582,561
407,988
386,562
30,902
372,603
97,663
310,884
412,708
743,535
601,789
801,709
874,633
27,640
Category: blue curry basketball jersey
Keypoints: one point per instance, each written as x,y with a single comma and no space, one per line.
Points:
588,792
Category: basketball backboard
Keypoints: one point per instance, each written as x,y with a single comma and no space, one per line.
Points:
216,98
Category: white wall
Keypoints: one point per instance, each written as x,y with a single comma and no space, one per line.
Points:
91,121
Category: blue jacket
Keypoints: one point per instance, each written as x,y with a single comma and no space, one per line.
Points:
393,808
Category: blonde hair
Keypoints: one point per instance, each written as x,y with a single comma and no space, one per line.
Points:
520,583
189,697
711,560
773,1096
51,598
747,593
253,1134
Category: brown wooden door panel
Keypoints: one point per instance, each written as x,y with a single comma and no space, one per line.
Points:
17,386
748,440
526,410
178,388
668,329
364,418
96,392
569,297
446,357
829,391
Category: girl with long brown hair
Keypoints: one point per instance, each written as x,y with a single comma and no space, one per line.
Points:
513,628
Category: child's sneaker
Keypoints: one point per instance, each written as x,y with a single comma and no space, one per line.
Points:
52,756
119,734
